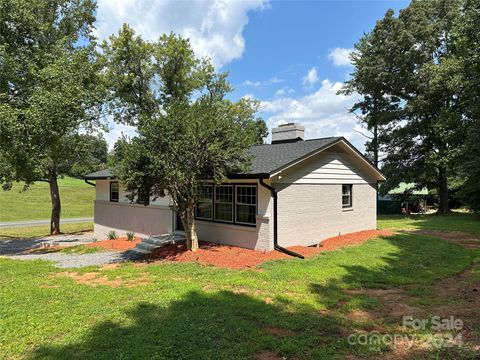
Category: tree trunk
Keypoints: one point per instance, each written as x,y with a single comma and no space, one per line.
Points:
55,196
188,220
375,145
443,207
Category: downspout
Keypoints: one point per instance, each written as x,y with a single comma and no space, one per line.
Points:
89,183
275,221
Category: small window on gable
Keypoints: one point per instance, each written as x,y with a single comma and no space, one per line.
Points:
346,196
114,191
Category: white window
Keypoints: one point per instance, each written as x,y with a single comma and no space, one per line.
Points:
114,191
205,203
246,204
346,196
224,203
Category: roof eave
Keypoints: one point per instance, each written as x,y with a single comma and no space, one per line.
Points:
249,176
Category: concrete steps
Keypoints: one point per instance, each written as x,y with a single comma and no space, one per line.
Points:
150,243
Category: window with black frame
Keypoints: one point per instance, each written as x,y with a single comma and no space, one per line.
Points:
205,203
114,191
246,204
224,203
346,196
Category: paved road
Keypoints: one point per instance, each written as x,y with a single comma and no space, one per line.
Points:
16,224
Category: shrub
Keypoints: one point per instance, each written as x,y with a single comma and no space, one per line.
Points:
112,235
130,236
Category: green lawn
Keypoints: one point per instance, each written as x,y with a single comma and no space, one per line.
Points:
292,308
43,230
35,204
454,222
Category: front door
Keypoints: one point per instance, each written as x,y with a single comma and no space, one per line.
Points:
178,223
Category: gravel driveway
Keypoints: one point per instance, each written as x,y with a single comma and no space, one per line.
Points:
15,249
75,260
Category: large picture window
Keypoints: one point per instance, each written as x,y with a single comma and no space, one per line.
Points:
224,203
228,203
114,191
246,204
346,196
205,203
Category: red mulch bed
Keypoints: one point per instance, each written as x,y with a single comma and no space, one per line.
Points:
120,244
238,258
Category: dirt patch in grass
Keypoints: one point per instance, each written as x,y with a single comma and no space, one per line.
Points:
238,258
95,279
120,244
269,355
456,296
277,331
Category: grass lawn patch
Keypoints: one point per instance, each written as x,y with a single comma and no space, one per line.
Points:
43,230
287,308
469,223
35,203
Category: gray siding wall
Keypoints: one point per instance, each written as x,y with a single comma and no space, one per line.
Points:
123,217
310,213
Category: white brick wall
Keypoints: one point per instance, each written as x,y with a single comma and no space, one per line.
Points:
310,213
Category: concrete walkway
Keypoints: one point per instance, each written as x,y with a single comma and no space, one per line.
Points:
17,224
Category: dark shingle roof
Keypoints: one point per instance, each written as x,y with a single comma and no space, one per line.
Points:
101,174
267,158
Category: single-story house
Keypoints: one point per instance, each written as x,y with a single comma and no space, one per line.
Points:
297,192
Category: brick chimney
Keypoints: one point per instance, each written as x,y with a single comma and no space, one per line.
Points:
290,132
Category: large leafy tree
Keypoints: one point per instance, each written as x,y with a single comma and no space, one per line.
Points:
377,109
50,88
419,73
90,154
188,131
467,44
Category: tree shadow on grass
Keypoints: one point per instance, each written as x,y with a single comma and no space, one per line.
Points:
228,325
201,325
465,222
376,298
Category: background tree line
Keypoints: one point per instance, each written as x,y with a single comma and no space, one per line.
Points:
57,85
419,77
418,74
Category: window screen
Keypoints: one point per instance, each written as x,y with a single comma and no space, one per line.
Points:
114,191
246,204
346,196
205,203
224,203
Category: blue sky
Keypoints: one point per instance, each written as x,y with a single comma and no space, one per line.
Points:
290,55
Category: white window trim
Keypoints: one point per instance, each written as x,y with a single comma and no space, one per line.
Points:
350,196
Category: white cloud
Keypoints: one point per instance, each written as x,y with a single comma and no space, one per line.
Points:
271,81
311,78
323,113
214,27
340,56
116,131
284,91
